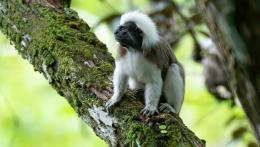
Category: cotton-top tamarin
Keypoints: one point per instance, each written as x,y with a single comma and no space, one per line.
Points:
145,61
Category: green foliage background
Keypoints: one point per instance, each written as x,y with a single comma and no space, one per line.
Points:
32,114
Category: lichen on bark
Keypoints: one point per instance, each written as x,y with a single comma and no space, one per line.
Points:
61,46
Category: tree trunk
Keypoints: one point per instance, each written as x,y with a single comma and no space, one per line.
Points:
234,25
61,46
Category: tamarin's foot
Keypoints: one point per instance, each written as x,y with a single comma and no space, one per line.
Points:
166,108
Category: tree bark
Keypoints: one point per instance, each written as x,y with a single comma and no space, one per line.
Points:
234,27
61,46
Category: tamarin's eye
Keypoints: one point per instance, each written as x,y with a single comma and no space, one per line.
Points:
121,28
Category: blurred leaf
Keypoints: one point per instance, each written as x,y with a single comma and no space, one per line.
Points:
252,144
204,33
231,119
196,18
239,132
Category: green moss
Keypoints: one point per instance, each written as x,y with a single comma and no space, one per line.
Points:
151,131
106,67
149,139
97,78
92,101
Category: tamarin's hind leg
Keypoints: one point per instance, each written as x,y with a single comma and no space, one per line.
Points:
173,87
166,108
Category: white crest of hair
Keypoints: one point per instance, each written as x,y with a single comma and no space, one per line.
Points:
145,23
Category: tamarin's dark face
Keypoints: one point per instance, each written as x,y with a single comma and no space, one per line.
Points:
129,35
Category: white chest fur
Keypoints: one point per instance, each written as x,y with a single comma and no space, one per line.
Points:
136,66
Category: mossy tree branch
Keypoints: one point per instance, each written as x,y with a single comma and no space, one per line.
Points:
61,46
234,27
57,4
